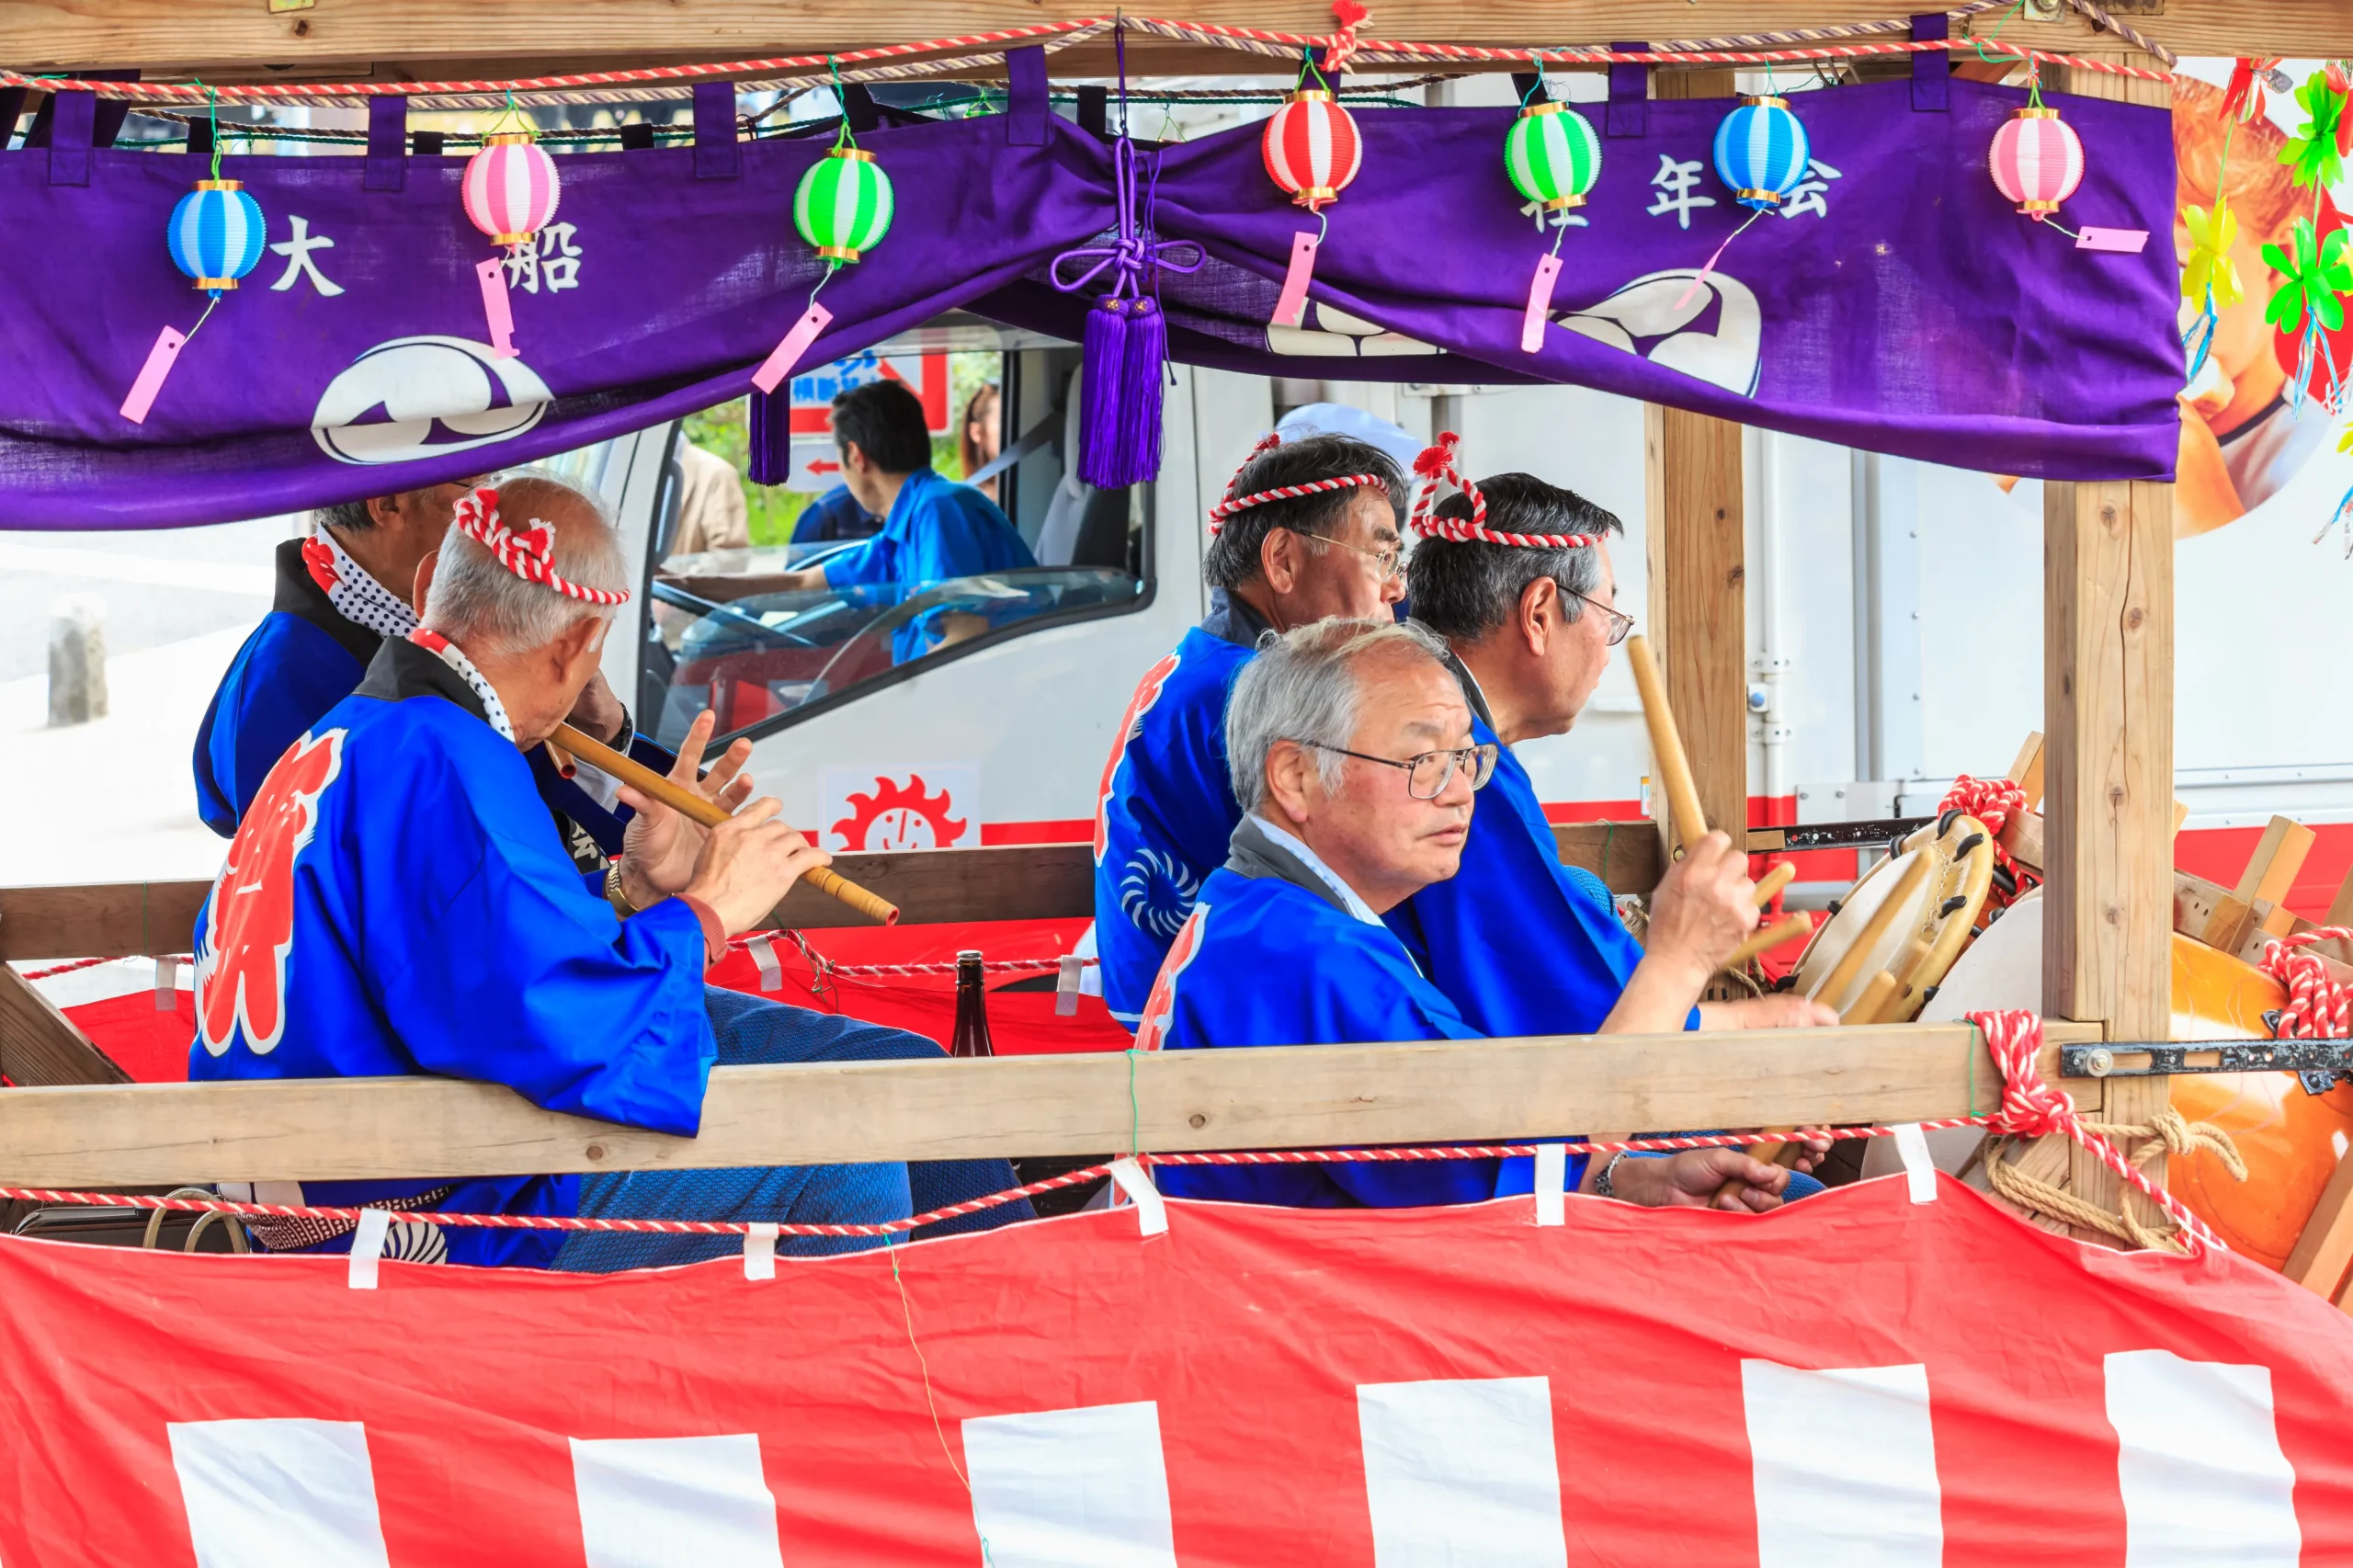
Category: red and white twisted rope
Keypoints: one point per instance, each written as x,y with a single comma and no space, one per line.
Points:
530,555
2032,1108
599,85
1439,463
1266,443
2319,1006
1993,802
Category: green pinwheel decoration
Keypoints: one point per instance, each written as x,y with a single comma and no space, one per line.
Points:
2315,153
2317,273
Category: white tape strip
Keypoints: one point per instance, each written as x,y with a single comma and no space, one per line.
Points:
167,984
759,1250
1072,969
1919,1167
367,1246
763,953
1552,1183
1151,1213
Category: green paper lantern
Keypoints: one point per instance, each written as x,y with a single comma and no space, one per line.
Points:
844,205
1552,155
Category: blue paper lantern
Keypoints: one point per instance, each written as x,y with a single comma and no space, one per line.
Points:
1761,152
216,234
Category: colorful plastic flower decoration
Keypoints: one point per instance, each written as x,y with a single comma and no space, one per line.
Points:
2317,274
2315,153
2209,276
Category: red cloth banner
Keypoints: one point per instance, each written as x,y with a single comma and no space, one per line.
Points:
1856,1378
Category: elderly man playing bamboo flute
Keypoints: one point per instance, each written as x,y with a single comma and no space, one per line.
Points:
397,900
1353,746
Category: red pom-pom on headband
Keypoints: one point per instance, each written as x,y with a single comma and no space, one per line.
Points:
1437,463
530,555
1268,443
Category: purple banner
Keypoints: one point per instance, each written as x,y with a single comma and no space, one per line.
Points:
1900,306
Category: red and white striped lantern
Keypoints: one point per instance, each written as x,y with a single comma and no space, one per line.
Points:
2037,160
1311,148
511,187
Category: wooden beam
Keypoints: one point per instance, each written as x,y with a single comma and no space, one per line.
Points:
2325,1251
1297,1097
1624,854
2340,908
2026,771
40,1046
117,919
51,34
2108,614
2271,871
1699,618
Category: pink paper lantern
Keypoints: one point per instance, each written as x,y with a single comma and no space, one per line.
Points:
2037,160
1311,148
511,187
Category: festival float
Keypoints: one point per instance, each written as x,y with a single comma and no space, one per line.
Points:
2074,1293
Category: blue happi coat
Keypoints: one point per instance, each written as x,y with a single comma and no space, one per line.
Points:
1165,807
1519,943
1279,951
398,901
936,531
302,659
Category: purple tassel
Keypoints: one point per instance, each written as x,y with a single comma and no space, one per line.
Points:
768,438
1141,389
1102,386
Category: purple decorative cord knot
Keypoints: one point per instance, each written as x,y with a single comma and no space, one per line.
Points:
1134,251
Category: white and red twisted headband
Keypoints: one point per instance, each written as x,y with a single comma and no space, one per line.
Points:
1437,463
1266,443
529,555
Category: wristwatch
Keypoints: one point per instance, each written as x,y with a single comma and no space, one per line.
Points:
1602,1183
614,895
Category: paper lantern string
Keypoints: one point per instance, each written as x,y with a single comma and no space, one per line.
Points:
1439,463
1268,443
530,554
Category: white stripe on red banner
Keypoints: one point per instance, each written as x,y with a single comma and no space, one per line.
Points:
1844,1466
266,1493
662,1502
2198,1462
1085,1488
1461,1471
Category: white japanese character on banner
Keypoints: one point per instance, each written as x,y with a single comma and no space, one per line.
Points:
299,263
1675,183
1807,196
552,258
1563,218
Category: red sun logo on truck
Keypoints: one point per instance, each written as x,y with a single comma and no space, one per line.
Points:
900,816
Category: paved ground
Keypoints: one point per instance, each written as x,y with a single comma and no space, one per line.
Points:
159,586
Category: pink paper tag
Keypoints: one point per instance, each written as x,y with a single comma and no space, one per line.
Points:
1290,309
494,306
1539,305
2130,240
787,353
160,359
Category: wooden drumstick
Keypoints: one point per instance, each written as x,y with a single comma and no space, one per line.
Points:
1666,745
1894,904
1765,941
710,813
1774,880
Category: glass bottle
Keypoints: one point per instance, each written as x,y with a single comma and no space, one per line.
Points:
972,1037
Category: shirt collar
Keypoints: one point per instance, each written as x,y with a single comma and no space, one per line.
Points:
1231,619
355,594
1313,864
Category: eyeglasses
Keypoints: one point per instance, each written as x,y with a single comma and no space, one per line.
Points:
1391,561
1427,776
1620,622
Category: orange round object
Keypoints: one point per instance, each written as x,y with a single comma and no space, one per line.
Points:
2289,1140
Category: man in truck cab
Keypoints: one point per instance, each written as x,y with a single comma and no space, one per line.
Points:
1307,529
340,593
1356,750
1514,575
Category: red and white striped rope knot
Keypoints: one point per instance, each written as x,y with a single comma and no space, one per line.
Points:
2319,1006
1439,464
530,554
1993,802
2032,1108
1343,46
1268,443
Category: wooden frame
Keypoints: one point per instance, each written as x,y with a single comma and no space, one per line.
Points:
1292,1097
396,40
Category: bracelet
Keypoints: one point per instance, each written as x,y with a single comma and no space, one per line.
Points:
614,894
1602,1183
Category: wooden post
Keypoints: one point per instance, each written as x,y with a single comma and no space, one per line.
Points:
2107,711
1698,569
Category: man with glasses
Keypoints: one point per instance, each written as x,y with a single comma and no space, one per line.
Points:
1514,575
1307,529
1353,745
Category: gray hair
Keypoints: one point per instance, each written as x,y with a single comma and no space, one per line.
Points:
1305,685
477,603
1467,588
351,516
